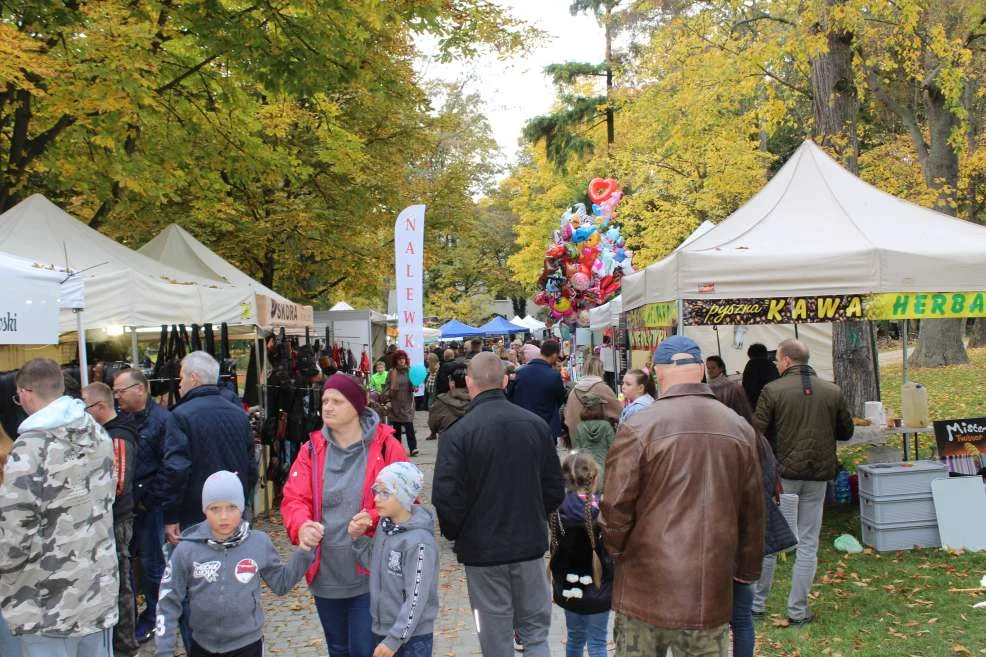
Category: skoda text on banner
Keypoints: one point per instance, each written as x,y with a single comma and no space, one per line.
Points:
409,234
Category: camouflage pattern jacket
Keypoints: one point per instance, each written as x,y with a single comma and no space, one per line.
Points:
58,567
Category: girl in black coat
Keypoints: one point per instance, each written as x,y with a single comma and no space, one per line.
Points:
581,571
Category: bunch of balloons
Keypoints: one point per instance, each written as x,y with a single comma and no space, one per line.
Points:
587,258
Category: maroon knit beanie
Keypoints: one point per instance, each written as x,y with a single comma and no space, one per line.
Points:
350,388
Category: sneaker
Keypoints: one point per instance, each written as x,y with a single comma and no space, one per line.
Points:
802,621
414,452
518,646
143,631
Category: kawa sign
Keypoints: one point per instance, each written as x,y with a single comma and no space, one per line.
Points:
409,231
833,308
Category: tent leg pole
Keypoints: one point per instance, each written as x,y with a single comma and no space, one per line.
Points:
133,347
83,359
796,336
903,341
261,397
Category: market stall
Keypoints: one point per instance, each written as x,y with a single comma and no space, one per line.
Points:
455,329
499,326
815,245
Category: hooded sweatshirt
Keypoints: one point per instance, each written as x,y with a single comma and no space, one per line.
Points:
595,437
403,564
58,567
342,498
590,385
447,408
220,580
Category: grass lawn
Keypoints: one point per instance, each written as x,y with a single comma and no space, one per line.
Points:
893,603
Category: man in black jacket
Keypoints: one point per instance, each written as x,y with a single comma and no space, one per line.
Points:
159,479
497,478
445,371
98,398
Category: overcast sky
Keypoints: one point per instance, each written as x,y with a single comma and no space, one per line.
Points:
516,90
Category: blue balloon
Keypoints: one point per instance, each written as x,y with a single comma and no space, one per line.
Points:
417,374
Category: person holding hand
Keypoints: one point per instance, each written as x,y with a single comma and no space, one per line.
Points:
329,483
218,565
403,562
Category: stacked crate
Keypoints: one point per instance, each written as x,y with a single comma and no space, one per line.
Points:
897,511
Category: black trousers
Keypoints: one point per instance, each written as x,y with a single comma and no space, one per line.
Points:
253,650
408,427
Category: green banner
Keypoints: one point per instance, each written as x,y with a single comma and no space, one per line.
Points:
648,325
834,308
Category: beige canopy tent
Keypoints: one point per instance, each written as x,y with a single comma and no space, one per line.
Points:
177,247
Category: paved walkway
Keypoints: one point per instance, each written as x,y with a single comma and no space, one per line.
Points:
292,627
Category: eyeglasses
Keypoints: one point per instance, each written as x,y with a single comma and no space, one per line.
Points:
382,493
96,403
120,391
16,397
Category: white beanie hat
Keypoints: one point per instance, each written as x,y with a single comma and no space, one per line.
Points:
404,480
223,486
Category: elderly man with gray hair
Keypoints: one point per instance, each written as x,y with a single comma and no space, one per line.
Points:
497,478
219,438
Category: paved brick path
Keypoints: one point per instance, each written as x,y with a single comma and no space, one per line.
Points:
292,627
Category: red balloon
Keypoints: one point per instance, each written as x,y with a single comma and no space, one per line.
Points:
600,190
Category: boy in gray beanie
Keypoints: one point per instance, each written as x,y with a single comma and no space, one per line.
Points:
403,562
216,566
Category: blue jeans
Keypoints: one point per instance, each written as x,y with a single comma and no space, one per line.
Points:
98,644
347,625
146,543
416,646
742,621
586,628
10,646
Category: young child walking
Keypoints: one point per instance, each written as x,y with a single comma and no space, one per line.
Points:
595,433
403,562
581,571
219,564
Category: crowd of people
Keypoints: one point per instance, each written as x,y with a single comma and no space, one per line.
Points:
664,514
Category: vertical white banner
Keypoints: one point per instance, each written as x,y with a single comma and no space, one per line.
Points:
409,234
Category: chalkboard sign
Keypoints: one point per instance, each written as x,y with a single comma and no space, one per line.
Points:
962,444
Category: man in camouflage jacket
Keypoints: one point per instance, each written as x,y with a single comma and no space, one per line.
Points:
58,567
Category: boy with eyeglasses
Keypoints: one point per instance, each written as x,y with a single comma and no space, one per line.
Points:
403,562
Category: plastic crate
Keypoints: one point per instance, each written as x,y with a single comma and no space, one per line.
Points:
900,536
884,479
918,508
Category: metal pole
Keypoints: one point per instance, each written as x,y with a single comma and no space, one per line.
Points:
134,355
260,382
681,317
796,336
83,359
903,341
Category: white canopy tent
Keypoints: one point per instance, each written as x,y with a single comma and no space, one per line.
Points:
178,248
816,229
123,287
31,298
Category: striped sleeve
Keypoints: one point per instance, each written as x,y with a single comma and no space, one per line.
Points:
419,579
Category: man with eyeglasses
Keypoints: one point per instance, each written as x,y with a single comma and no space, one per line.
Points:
58,590
163,464
98,398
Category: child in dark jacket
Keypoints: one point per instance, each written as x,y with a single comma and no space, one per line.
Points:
581,570
403,562
217,565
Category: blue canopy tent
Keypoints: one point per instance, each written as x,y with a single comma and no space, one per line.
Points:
500,326
456,329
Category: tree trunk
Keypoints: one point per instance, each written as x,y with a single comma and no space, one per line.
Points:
610,118
940,340
978,336
520,306
836,110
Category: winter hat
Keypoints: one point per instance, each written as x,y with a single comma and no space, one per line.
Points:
404,480
223,486
350,388
591,400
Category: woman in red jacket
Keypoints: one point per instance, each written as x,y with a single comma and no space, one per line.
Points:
329,483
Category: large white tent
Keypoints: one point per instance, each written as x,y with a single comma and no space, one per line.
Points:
31,298
123,287
178,248
816,229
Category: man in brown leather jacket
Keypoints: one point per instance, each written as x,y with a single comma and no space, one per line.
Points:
682,514
802,417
